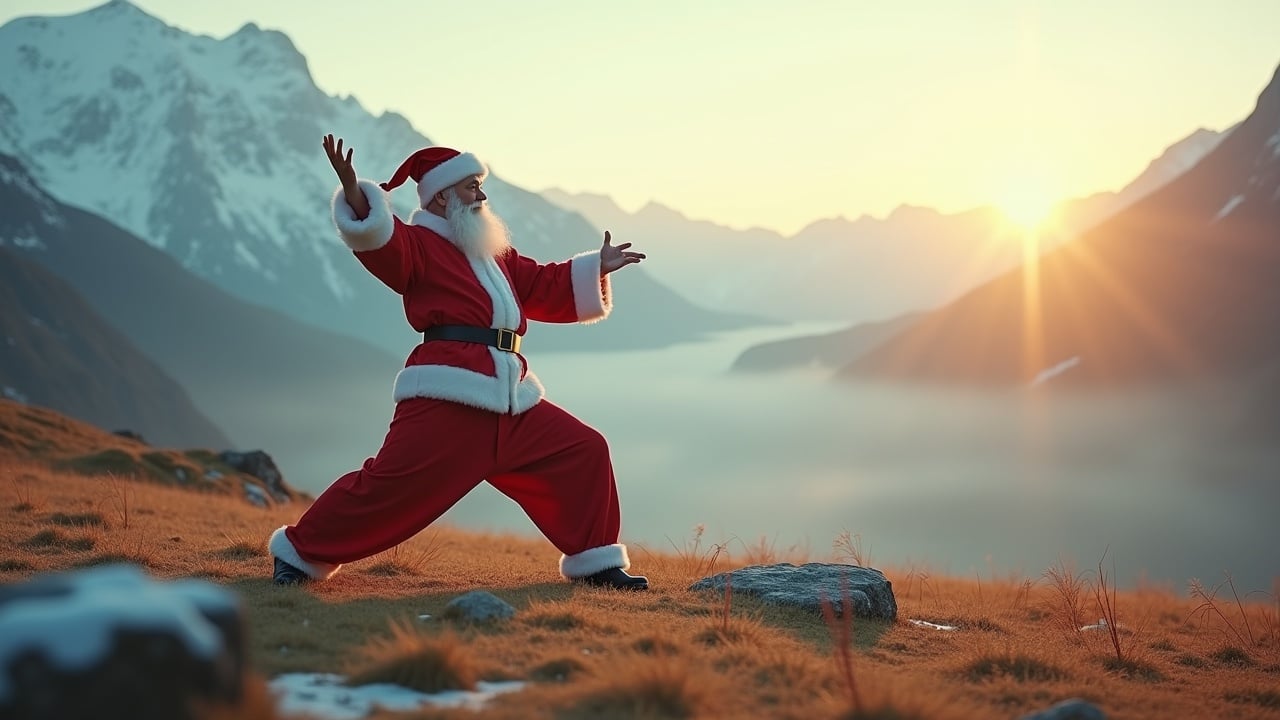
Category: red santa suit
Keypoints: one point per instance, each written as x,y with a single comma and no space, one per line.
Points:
466,412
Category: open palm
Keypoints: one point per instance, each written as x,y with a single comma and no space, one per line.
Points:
615,257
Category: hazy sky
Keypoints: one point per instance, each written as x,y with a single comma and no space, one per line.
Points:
778,114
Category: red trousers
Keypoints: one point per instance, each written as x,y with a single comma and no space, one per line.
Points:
555,466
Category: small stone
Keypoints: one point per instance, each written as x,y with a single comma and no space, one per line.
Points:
1073,709
479,606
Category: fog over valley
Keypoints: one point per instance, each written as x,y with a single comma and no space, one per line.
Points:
943,480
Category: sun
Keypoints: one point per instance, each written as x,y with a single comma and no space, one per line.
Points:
1027,206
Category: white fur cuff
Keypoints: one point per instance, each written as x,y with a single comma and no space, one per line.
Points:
592,294
590,562
280,547
370,233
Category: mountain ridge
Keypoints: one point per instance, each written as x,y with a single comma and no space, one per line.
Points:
865,270
210,150
1170,287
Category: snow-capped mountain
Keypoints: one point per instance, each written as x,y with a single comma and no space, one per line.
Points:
861,270
1181,284
210,149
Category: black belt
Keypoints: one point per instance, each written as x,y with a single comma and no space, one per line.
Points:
501,338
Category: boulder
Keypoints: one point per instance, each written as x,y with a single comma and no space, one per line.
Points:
805,586
110,642
259,464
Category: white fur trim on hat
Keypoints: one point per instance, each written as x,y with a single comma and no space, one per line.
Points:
590,562
370,233
450,172
280,547
592,294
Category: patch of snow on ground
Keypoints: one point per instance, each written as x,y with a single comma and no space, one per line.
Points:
1226,209
325,696
28,243
935,626
1056,370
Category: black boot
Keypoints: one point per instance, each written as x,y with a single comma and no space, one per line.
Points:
287,574
616,578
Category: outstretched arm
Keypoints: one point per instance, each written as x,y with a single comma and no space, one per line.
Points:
347,176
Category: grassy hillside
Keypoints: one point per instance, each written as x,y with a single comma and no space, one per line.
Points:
31,435
668,652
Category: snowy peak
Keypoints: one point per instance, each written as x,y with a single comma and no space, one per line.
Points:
1175,160
210,150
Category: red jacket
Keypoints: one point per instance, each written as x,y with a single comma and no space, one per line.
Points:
443,286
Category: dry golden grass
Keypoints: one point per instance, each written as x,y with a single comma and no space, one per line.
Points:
31,435
1213,651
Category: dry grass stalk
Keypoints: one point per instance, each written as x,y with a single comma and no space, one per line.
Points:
696,562
728,602
404,559
841,631
23,491
643,687
1068,611
1107,606
242,545
920,577
848,548
119,493
413,659
1209,606
1104,594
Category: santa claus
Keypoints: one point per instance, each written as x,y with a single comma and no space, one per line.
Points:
468,409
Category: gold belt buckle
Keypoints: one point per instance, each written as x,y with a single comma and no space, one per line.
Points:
508,340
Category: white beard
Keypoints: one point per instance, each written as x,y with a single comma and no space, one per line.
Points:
476,230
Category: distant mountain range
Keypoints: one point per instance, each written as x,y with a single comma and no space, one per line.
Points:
868,269
1156,292
60,354
210,150
1181,284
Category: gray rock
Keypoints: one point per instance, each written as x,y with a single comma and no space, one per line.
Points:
108,642
805,586
1074,709
479,606
260,465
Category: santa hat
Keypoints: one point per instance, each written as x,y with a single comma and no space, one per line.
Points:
434,169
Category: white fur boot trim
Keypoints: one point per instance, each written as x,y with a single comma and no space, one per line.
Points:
280,547
590,562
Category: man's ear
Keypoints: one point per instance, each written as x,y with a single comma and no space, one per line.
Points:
441,198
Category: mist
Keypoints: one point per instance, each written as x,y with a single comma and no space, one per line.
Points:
992,484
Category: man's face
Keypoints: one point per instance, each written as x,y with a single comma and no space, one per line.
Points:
470,191
473,226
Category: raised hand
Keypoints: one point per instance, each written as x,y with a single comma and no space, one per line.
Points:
347,176
341,165
615,257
